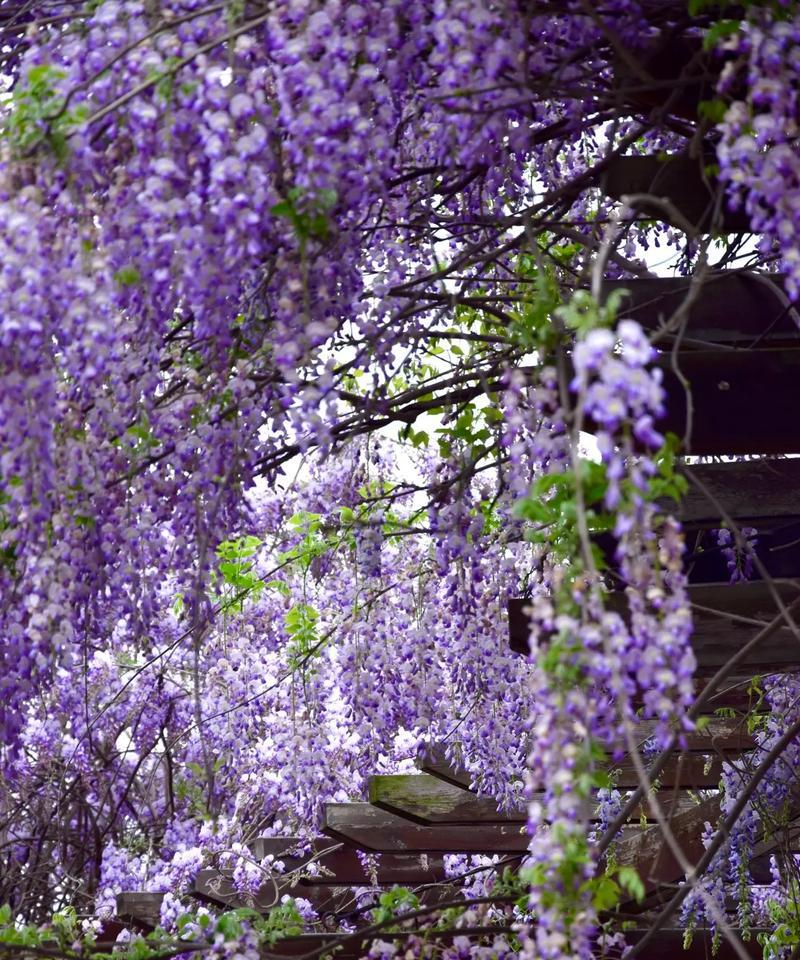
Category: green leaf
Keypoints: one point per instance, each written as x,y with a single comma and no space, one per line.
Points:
606,894
712,110
229,926
631,882
719,31
127,276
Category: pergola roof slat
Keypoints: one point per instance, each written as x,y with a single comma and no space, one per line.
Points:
726,616
426,800
331,860
735,308
371,829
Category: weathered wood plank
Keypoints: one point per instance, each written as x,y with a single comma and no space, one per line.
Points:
725,734
435,762
667,945
728,734
426,799
735,308
778,550
143,909
726,616
647,851
721,613
755,492
654,861
372,829
326,860
216,887
682,181
736,398
688,772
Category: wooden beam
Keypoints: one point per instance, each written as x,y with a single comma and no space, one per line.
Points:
370,829
434,761
726,616
756,493
426,800
657,866
216,887
654,861
737,399
735,308
681,180
777,549
729,735
327,860
688,772
667,945
143,909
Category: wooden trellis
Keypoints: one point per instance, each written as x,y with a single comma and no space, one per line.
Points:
739,349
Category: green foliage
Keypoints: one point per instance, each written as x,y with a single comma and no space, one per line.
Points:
37,115
511,884
282,921
64,935
583,313
551,506
667,483
712,110
313,542
8,554
301,626
785,935
236,570
309,214
630,881
59,935
756,693
127,276
141,440
719,32
393,903
532,328
163,80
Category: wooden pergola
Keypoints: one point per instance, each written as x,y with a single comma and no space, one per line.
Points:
736,342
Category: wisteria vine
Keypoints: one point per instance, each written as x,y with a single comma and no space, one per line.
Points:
300,383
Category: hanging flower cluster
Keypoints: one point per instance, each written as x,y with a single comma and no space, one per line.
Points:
758,156
595,667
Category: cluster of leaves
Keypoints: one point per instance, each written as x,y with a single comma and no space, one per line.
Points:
309,215
38,115
784,938
66,936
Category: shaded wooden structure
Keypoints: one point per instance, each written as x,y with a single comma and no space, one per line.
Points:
683,189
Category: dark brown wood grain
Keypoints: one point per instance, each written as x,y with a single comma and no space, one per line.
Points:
426,799
647,852
735,308
368,828
328,860
761,493
681,180
738,399
725,615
